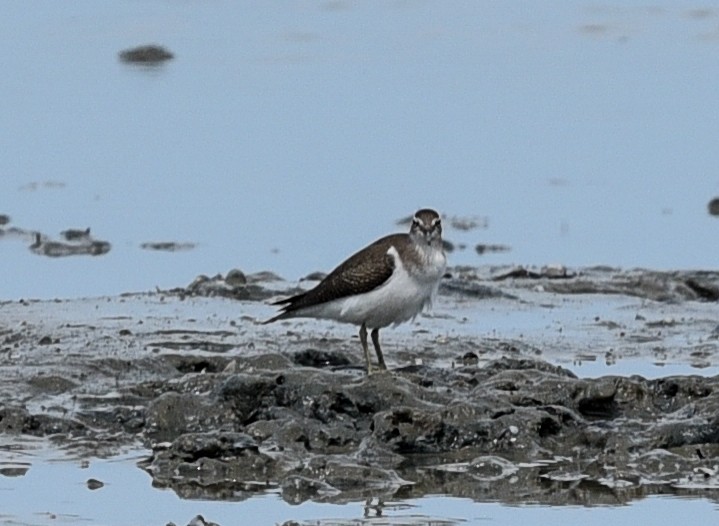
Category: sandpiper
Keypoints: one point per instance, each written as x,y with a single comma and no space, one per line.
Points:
386,283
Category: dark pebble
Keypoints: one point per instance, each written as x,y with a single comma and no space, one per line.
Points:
94,484
713,207
148,55
236,278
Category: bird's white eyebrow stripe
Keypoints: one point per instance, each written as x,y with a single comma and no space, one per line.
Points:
436,221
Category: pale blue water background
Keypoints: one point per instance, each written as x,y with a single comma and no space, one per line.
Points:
286,135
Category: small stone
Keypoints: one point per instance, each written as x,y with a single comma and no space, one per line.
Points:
470,358
12,471
236,278
75,234
713,207
199,520
149,55
94,484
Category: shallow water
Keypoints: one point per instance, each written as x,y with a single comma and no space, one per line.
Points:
54,491
284,136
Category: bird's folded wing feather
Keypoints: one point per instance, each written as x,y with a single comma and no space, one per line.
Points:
363,272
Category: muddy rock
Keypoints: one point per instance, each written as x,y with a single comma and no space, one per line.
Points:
217,463
77,244
673,286
331,430
173,413
76,234
18,420
235,286
246,394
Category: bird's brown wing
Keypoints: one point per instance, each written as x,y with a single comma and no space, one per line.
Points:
360,273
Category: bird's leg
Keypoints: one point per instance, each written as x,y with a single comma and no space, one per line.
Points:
365,348
375,342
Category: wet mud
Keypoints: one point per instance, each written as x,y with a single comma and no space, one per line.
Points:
72,242
230,408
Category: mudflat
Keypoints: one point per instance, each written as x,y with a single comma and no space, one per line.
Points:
485,398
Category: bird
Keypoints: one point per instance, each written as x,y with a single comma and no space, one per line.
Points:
388,282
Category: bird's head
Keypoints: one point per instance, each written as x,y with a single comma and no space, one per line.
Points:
427,228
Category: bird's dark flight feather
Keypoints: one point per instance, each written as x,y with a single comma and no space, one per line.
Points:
360,273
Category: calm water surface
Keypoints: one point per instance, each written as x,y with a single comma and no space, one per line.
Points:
56,492
285,135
